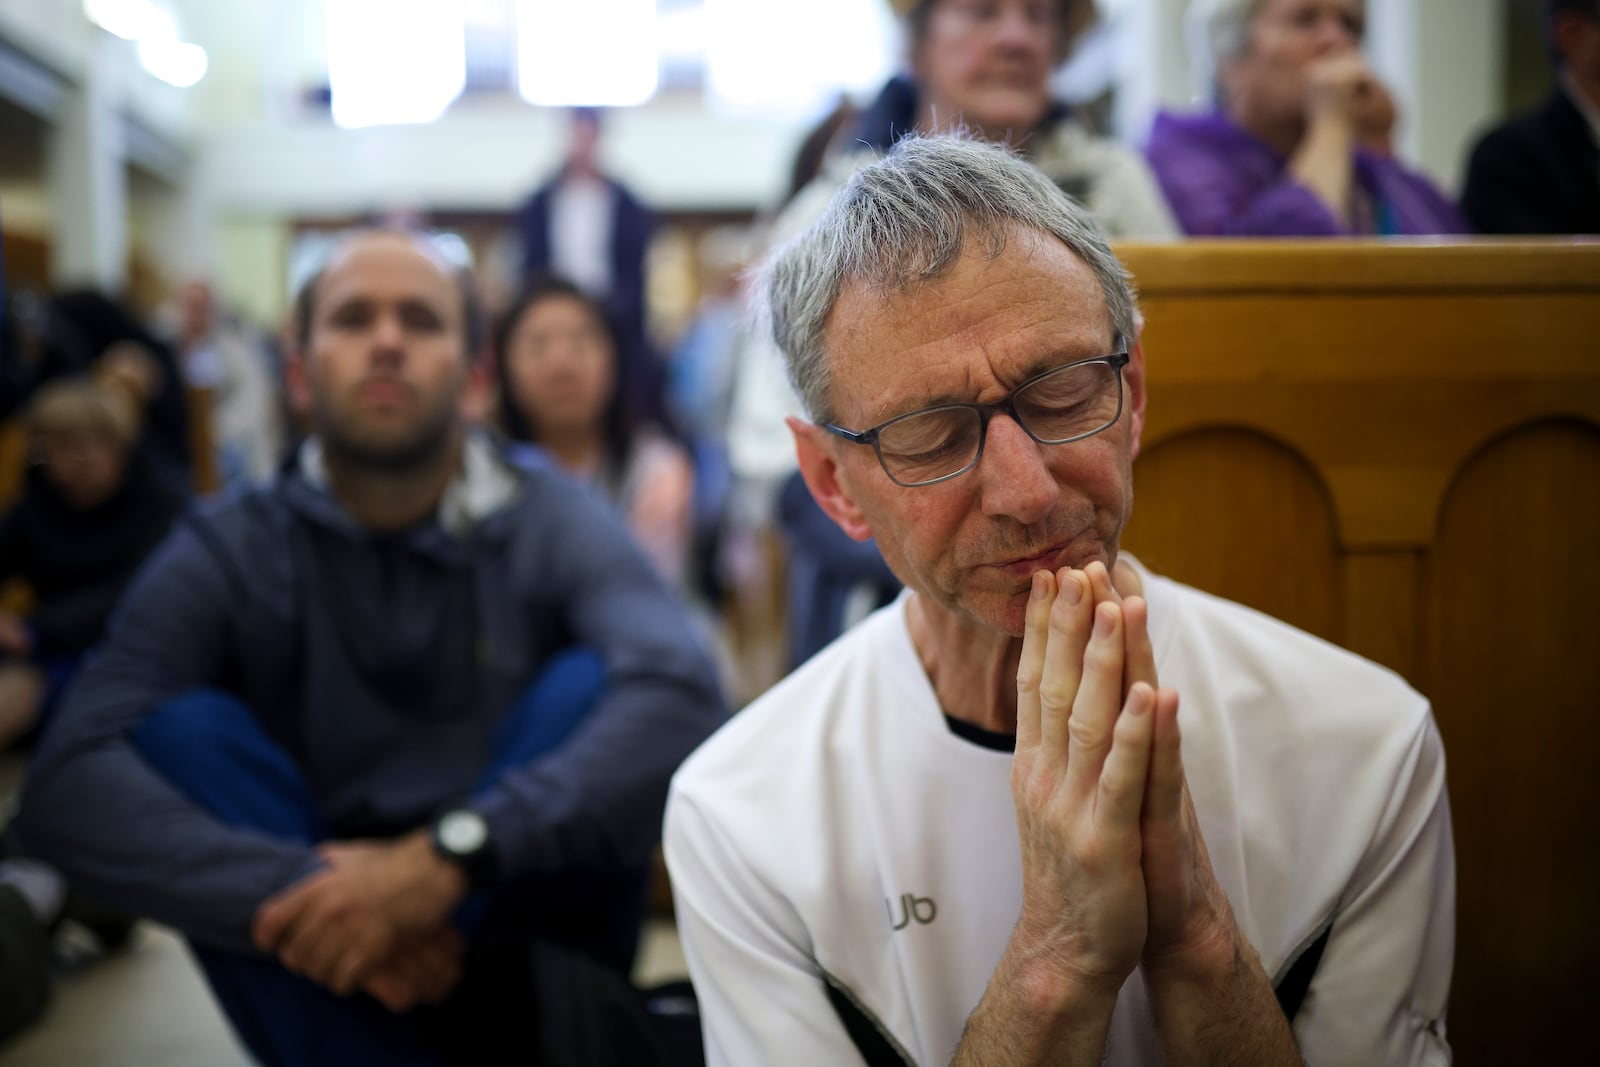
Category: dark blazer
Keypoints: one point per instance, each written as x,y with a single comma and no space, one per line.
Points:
1536,174
632,225
630,237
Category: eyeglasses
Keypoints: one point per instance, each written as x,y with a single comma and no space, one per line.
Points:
1061,405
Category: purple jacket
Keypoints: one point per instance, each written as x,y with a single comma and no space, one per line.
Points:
1222,182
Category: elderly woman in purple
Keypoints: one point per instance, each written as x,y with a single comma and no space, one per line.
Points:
1300,142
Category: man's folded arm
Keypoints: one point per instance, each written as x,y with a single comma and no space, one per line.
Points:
595,802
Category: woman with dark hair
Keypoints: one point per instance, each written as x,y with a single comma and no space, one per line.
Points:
561,388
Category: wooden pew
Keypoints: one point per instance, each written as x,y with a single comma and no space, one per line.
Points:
1398,448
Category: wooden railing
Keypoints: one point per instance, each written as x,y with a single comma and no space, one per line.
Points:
1398,448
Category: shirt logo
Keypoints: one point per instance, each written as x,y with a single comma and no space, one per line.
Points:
921,910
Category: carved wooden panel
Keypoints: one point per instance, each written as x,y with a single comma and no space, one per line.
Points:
1514,657
1444,400
1242,490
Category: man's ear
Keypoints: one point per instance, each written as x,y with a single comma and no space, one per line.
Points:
820,470
297,381
477,398
1133,386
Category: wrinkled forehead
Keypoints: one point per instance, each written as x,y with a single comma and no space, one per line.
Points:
388,264
991,321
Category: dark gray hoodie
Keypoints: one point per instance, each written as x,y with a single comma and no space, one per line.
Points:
382,664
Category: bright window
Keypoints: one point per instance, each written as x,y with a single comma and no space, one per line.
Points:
795,58
594,52
394,61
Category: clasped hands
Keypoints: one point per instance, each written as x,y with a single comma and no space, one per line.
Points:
1115,872
1342,88
376,919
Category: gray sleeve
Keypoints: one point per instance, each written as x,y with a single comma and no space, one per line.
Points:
596,801
93,806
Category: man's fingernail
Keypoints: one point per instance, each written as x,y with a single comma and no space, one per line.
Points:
1104,620
1072,588
1038,585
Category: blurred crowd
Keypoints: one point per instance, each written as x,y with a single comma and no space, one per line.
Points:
126,417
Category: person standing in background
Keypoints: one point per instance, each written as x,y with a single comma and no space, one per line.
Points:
219,355
1540,173
1301,141
585,225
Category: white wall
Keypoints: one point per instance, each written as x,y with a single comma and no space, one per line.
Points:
56,33
490,156
1460,83
85,205
251,265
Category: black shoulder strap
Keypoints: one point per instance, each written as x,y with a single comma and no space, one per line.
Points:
877,1048
1291,990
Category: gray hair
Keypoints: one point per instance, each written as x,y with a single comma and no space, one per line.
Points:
1218,32
906,218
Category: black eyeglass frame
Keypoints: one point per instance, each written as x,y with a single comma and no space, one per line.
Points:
871,436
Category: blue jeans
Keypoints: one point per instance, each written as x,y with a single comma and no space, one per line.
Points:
210,746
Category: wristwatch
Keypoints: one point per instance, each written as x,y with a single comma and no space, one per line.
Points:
462,837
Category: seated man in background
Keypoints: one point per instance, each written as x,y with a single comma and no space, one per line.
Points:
1540,173
364,734
92,510
220,354
968,828
1301,141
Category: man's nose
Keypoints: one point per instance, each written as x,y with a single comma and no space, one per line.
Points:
1015,479
388,336
1014,29
1334,36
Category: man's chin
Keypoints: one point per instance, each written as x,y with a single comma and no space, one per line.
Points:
388,452
999,611
1012,112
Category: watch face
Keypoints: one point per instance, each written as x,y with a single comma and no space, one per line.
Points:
463,832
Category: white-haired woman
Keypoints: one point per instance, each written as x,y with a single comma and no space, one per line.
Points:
1300,141
985,65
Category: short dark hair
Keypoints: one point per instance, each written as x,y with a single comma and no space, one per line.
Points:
472,317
